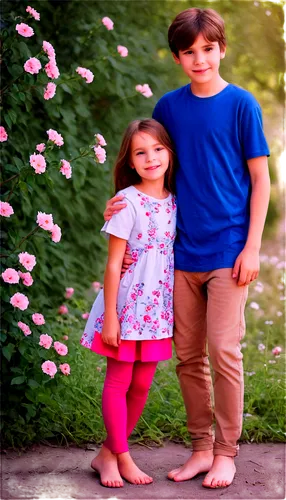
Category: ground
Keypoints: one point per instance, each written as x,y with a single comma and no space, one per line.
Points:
47,472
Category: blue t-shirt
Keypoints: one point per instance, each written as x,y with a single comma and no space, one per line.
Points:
213,137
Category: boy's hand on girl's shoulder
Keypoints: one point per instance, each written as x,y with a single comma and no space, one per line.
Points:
246,267
111,334
113,207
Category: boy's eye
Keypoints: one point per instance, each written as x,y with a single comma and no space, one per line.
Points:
208,49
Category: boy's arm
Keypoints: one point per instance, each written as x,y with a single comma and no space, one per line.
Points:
246,267
111,327
113,208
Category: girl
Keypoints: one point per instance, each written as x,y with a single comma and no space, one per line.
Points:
131,321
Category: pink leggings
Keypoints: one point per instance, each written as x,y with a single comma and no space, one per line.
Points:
124,396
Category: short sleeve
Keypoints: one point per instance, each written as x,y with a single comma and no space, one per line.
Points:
252,135
121,224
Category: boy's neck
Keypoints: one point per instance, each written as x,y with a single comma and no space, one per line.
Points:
208,89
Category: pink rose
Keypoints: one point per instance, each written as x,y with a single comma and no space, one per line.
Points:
69,293
277,350
50,91
3,134
45,221
41,147
27,260
100,140
96,286
61,349
45,341
85,315
38,162
38,319
65,368
49,49
144,90
32,66
20,301
66,169
25,328
56,233
33,13
49,368
52,70
106,21
55,137
24,30
85,73
63,309
100,154
10,276
26,278
123,51
6,209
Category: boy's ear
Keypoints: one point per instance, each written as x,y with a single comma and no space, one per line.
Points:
222,53
176,59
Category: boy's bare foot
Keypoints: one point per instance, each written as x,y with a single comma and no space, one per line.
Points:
129,470
199,461
221,474
105,463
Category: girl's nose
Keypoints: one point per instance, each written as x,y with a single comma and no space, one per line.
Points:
151,156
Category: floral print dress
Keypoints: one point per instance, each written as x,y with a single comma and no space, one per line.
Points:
145,295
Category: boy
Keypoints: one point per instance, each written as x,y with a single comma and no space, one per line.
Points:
223,191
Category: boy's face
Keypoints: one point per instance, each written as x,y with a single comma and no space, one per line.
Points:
201,61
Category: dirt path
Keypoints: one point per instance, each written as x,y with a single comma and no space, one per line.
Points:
48,473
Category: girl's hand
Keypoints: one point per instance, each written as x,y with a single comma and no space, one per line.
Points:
111,330
113,207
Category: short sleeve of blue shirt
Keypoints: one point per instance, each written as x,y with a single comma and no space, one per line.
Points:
251,130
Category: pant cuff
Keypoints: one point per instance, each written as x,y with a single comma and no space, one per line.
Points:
202,445
226,451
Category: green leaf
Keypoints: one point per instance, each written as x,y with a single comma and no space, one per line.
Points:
8,120
33,383
18,162
3,336
8,350
23,187
18,380
22,347
12,115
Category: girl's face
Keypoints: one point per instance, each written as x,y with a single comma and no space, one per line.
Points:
149,157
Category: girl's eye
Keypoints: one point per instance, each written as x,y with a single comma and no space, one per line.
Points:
159,149
139,153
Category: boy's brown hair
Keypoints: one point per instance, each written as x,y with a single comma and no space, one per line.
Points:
190,23
124,175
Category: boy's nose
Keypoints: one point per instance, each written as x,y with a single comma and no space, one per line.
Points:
199,58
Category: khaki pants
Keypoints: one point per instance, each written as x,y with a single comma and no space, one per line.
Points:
209,312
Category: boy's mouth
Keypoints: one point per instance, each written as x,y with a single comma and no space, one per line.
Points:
200,71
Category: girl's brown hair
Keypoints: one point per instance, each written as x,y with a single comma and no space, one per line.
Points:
190,23
124,175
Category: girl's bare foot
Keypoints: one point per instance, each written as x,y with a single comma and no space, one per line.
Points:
105,463
221,474
199,461
129,470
